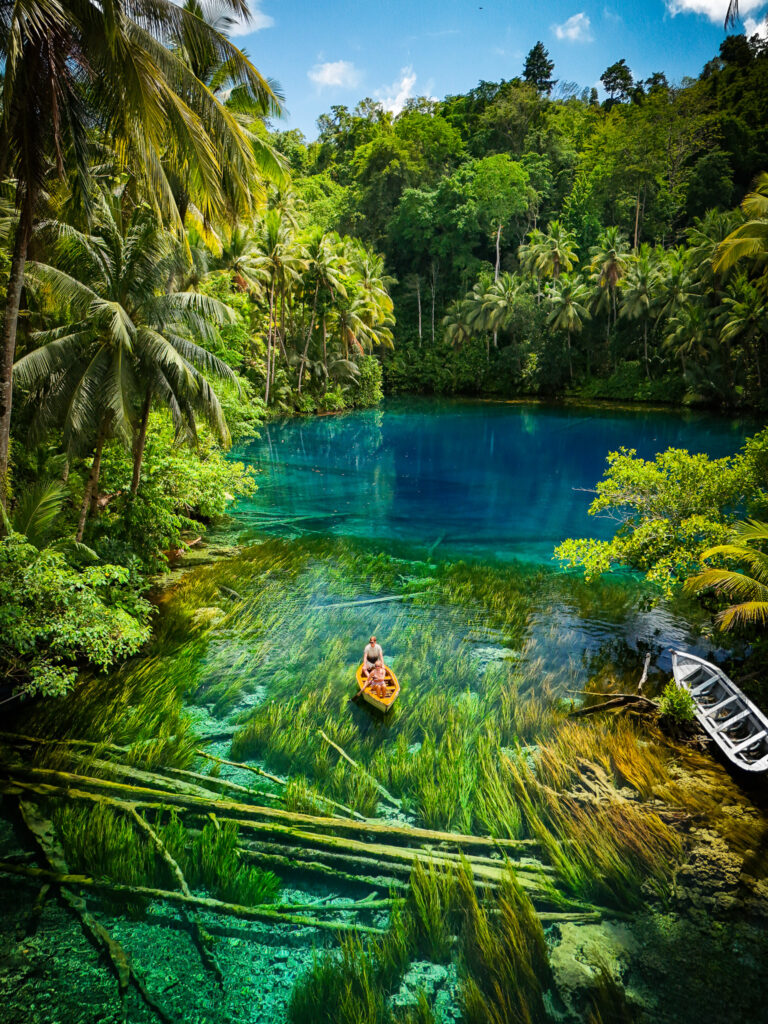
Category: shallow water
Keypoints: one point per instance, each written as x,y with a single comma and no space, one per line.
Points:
363,522
490,480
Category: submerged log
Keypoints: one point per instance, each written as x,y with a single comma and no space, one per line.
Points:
132,892
618,700
57,781
43,832
385,793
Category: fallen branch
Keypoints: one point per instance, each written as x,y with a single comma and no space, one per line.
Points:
366,600
387,795
260,913
618,700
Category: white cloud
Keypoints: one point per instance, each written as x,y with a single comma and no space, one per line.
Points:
258,21
712,9
756,26
393,97
577,29
335,74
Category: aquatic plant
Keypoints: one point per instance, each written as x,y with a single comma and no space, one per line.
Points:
504,957
677,703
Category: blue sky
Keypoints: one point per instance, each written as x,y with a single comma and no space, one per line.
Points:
339,51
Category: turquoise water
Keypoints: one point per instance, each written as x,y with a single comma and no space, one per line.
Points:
473,479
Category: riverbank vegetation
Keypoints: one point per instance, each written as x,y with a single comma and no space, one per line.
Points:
547,243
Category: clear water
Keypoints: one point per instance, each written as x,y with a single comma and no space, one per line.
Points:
485,480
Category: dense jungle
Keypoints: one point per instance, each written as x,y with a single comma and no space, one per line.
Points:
480,376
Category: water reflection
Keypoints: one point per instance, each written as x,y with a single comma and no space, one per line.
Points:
486,480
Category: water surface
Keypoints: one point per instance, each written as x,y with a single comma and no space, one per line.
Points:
488,480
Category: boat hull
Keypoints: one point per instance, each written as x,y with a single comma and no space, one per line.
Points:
383,704
729,718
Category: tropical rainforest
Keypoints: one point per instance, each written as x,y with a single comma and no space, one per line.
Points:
178,271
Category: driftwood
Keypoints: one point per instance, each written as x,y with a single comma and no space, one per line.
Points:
260,913
42,831
365,600
280,782
387,795
637,701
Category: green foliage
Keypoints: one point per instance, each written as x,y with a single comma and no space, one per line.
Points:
368,390
670,511
54,617
676,702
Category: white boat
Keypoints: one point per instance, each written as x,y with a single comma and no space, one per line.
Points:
738,727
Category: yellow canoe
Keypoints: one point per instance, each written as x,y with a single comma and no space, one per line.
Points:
381,703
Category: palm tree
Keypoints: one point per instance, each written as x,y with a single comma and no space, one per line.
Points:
75,72
568,298
558,250
749,589
530,257
744,318
607,267
323,279
248,102
690,335
279,262
749,241
124,344
638,293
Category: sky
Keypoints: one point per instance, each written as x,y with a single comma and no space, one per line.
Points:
339,51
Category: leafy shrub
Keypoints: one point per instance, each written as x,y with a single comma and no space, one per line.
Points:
676,702
369,389
54,618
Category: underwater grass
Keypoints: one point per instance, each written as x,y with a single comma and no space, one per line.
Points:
504,957
100,841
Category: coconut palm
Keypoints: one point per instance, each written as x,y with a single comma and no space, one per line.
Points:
568,298
558,250
749,589
690,335
278,261
744,319
607,267
530,256
323,279
124,345
78,72
638,293
749,241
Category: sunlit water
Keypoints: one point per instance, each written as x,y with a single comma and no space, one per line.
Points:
493,482
489,480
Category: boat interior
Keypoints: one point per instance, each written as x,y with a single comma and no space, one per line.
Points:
726,715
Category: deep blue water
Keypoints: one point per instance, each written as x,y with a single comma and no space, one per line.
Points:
482,479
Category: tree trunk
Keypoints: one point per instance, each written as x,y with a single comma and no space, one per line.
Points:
645,348
418,304
570,357
309,337
10,324
140,443
325,355
637,217
269,340
498,253
433,283
92,487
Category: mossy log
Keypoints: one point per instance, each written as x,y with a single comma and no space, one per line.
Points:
43,832
140,795
132,892
379,788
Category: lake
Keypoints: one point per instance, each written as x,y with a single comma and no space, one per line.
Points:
487,480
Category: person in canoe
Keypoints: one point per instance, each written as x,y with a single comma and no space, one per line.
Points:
372,656
377,680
